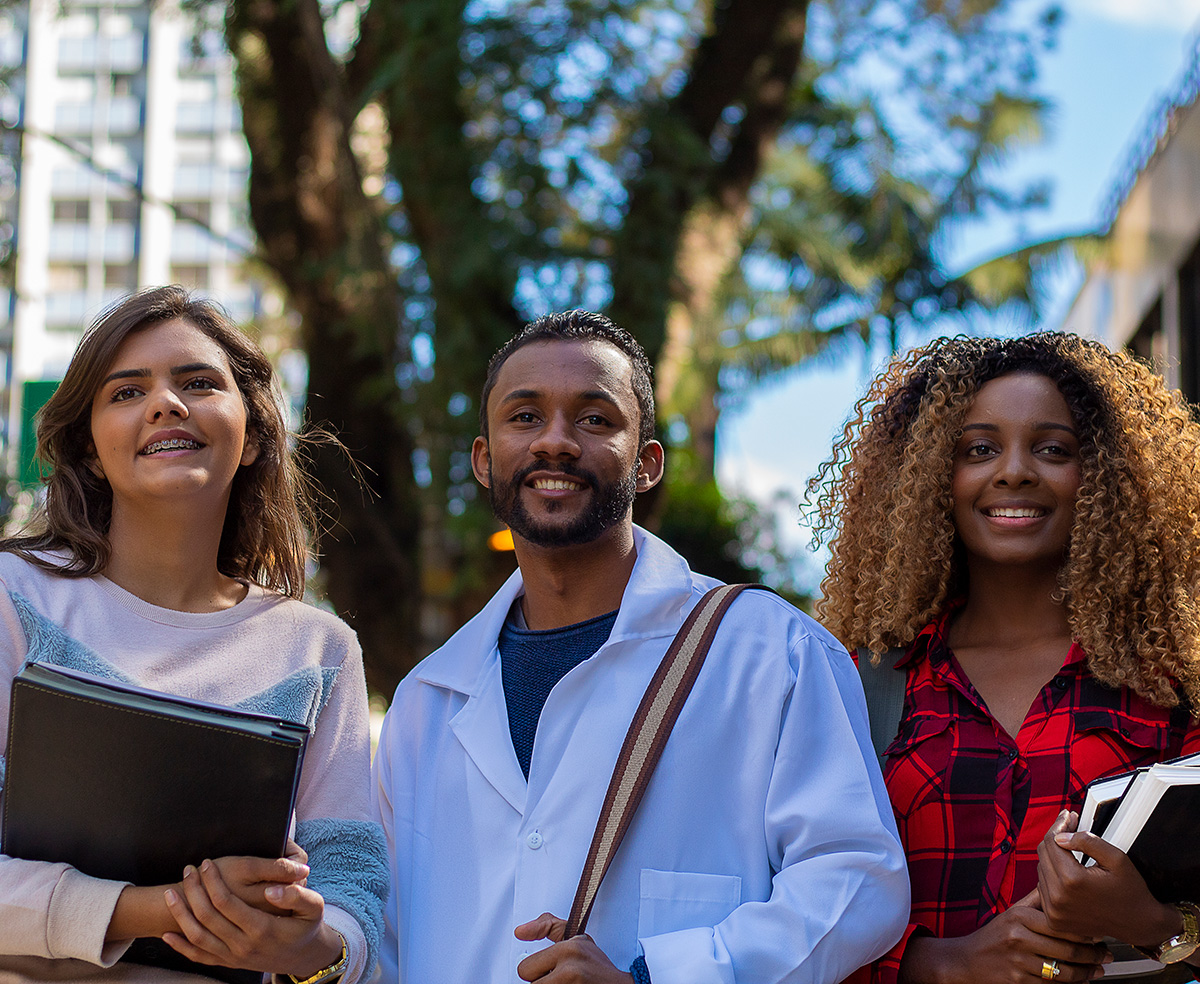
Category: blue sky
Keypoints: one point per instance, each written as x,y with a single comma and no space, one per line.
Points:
1114,62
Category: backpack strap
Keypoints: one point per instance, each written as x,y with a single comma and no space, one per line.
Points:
884,690
646,739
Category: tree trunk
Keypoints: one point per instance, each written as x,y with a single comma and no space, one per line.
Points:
471,277
321,236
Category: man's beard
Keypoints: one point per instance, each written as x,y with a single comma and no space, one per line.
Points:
610,504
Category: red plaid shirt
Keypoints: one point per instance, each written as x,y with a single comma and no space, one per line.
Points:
972,803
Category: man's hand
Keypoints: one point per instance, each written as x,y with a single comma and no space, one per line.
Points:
574,961
1109,898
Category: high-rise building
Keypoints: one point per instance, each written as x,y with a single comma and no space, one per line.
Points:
130,170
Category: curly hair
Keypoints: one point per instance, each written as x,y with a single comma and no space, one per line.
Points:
1131,578
265,535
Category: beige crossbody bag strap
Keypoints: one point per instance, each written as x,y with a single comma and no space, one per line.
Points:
645,740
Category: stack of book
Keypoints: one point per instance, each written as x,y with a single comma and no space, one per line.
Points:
1153,815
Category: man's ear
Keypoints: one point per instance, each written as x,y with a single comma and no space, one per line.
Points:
481,460
650,466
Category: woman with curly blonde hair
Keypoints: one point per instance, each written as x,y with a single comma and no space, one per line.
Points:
1018,521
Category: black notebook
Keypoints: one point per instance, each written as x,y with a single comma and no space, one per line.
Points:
1156,821
133,785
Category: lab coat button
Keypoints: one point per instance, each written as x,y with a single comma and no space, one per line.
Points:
534,841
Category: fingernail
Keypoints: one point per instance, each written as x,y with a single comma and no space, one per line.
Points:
171,897
274,892
205,865
188,871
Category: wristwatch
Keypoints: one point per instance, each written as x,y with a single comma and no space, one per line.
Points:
331,973
1183,944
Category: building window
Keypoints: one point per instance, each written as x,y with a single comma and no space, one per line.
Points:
190,276
122,210
119,276
195,179
1189,325
71,211
74,117
77,53
1147,341
66,276
195,211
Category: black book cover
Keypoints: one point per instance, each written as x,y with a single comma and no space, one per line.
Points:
1104,813
131,785
1166,851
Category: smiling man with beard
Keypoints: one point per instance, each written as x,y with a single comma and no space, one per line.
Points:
764,848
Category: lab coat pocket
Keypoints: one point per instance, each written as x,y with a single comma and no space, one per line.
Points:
674,900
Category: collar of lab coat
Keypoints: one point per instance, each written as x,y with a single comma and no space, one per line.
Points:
660,593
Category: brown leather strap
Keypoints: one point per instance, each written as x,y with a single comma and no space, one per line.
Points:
646,739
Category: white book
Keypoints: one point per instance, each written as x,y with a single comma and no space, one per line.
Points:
1102,797
1116,809
1128,961
1142,797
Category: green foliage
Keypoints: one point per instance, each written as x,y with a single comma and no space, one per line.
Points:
553,120
905,117
730,538
742,183
1007,279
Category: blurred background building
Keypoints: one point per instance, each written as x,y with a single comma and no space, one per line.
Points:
1143,289
126,168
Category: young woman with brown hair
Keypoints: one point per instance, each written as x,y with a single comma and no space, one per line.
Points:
170,552
1022,518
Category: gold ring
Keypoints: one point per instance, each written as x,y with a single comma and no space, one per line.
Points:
1050,970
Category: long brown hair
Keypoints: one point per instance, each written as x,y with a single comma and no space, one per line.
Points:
264,538
1131,579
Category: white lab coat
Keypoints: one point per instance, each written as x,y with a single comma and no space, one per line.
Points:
764,849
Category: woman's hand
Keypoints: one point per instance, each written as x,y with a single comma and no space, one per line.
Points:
294,852
141,911
1010,949
218,927
248,878
1108,898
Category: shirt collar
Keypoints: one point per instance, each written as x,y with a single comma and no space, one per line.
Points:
931,642
656,600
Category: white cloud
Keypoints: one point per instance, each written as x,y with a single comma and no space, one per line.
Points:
755,479
1179,14
770,488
